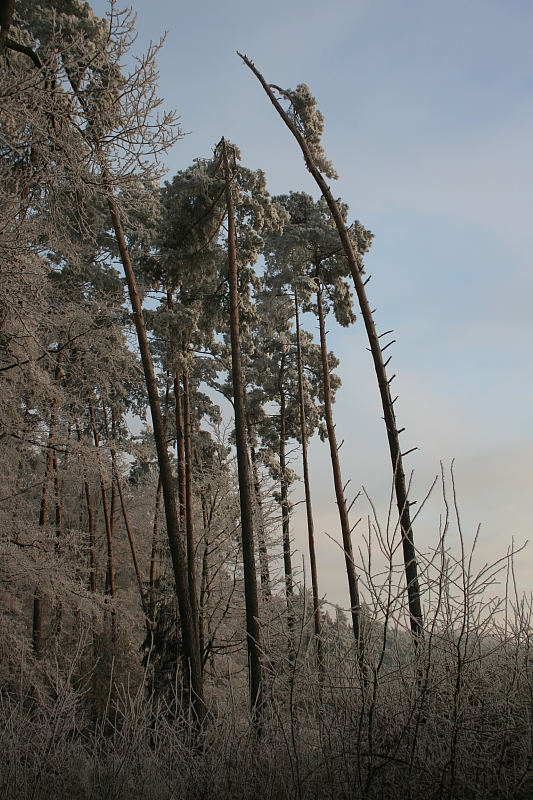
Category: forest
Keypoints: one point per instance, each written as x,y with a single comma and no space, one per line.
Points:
158,640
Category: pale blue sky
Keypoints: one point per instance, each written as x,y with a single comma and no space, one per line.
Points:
429,122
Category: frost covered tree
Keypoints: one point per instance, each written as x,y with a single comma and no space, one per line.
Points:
306,124
276,354
94,142
209,297
308,257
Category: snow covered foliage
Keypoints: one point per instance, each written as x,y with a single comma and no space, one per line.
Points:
310,122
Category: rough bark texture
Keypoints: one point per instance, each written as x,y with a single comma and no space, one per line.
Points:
243,463
400,484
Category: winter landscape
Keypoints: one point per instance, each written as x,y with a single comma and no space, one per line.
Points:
260,539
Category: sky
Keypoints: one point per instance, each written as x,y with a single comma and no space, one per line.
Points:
428,108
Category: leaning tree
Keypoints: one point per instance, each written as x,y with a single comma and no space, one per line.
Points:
306,123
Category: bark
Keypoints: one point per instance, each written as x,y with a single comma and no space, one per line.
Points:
92,538
307,490
284,493
180,438
400,484
191,548
285,515
7,8
266,590
57,499
243,463
191,650
206,579
180,451
153,555
337,480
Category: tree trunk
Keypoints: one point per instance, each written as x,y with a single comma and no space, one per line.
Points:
307,490
266,590
191,546
400,484
7,8
205,590
243,463
180,451
57,499
285,515
153,555
284,493
191,651
337,480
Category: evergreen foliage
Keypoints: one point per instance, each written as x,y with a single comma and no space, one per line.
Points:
103,612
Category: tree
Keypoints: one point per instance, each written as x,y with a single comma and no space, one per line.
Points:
276,355
306,124
104,130
307,256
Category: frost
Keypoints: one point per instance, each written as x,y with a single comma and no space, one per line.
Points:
310,122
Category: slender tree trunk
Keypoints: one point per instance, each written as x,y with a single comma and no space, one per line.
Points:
307,490
153,555
400,484
191,650
191,546
243,463
180,438
180,452
266,590
285,515
58,625
206,578
284,493
337,480
57,498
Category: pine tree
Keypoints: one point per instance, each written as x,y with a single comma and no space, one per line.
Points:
309,257
306,124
